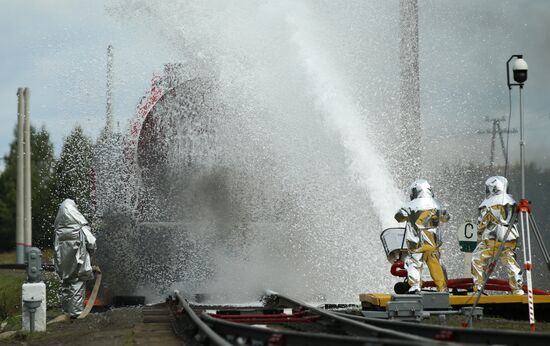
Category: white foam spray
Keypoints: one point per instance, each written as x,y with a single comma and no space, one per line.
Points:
365,160
299,191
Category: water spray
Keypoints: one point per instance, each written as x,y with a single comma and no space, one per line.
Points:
367,165
301,159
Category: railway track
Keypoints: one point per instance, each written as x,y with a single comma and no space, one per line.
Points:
461,335
274,326
287,321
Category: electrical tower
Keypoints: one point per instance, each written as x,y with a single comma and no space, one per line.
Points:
497,129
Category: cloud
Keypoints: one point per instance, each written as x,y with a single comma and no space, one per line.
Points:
464,48
58,49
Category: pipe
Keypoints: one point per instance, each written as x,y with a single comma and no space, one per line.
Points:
19,221
27,173
521,144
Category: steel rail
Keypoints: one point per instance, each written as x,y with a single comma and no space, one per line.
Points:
457,334
222,332
252,335
350,326
203,328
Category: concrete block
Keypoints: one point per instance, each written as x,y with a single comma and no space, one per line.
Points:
34,292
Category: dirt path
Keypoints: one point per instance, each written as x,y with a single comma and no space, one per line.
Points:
149,325
114,327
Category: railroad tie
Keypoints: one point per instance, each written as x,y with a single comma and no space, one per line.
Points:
156,327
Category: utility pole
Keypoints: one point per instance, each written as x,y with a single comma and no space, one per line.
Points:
23,226
27,172
20,205
409,96
496,129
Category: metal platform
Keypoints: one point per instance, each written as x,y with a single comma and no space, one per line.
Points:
417,307
381,299
507,306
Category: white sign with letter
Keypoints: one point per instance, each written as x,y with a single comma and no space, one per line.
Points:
467,239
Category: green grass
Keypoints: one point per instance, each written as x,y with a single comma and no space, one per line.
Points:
7,257
488,322
10,291
129,340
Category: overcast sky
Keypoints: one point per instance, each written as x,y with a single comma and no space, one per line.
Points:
57,49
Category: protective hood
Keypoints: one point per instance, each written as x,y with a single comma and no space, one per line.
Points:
421,189
496,192
68,216
495,185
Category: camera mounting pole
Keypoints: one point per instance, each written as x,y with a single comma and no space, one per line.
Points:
523,208
527,222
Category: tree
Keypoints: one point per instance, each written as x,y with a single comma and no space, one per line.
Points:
73,172
43,205
7,199
42,165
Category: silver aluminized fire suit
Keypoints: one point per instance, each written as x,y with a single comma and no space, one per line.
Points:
423,215
495,217
73,245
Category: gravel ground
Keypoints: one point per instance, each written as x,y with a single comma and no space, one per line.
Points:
113,327
488,322
117,327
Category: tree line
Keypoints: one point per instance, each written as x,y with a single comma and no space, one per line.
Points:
53,179
72,176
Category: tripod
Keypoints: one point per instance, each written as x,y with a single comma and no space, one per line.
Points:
527,224
526,220
525,215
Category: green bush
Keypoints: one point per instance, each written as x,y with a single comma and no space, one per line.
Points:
10,293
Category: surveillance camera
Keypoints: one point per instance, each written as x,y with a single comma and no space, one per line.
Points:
520,71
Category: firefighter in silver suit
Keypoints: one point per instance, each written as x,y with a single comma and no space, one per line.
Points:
73,245
495,219
423,215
